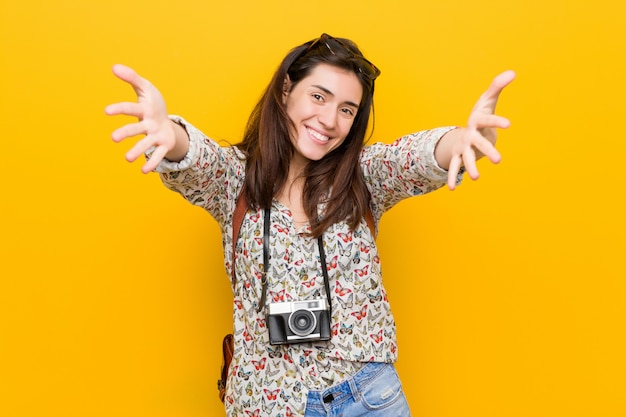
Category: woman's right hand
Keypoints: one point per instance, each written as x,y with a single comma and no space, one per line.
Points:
159,131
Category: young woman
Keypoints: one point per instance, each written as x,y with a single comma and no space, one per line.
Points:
313,328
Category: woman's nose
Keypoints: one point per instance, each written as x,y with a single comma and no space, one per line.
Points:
327,117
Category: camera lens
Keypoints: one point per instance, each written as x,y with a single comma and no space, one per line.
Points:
302,322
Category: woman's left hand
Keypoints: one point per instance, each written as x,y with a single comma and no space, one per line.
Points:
478,138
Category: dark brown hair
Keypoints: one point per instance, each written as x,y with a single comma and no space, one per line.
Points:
268,148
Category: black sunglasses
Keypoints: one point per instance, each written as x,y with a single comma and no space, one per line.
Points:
365,67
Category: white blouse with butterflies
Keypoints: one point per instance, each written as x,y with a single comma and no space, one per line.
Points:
274,380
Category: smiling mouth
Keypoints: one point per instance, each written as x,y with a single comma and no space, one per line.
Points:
317,135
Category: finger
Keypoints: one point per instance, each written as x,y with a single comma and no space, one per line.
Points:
453,171
154,160
486,120
128,131
128,109
129,75
499,83
469,162
140,148
487,149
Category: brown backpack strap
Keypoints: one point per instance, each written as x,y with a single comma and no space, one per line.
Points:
369,218
240,211
228,349
228,343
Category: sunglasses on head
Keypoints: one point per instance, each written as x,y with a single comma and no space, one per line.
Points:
333,44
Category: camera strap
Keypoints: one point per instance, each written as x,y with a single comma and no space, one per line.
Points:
266,263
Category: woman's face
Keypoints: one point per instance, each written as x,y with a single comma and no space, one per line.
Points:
322,107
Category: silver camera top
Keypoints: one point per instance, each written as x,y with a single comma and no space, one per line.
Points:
291,306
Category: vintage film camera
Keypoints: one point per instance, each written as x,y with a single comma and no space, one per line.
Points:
298,321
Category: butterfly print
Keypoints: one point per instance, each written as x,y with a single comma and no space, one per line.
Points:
339,289
375,316
255,216
332,264
357,342
271,395
377,337
364,248
274,353
346,237
247,336
347,329
281,229
345,251
244,375
277,296
310,283
360,314
329,381
346,302
258,365
362,271
375,297
297,387
248,347
272,374
378,350
345,266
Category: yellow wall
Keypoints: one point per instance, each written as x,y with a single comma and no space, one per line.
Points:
509,292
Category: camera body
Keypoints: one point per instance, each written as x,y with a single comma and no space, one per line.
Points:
298,321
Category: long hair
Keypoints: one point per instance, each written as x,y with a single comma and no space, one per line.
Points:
268,148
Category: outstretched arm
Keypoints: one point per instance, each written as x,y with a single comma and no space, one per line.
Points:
168,139
463,147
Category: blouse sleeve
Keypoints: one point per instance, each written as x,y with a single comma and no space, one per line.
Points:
404,168
209,175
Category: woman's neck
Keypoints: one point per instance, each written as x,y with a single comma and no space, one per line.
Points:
290,195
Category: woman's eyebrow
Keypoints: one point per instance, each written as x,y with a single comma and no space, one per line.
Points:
330,93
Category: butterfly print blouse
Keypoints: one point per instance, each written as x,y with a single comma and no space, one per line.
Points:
275,380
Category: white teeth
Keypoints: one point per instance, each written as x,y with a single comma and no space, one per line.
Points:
318,135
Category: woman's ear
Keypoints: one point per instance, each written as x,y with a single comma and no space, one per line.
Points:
286,88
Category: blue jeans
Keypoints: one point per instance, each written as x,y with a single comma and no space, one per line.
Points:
373,391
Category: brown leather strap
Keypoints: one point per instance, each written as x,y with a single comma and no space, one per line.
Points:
228,349
240,211
369,218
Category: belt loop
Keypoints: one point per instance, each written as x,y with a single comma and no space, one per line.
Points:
354,389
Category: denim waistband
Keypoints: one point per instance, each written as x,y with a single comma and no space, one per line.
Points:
345,390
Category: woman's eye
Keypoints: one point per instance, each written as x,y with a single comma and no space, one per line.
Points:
348,111
317,97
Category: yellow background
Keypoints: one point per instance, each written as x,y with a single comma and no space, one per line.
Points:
509,292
